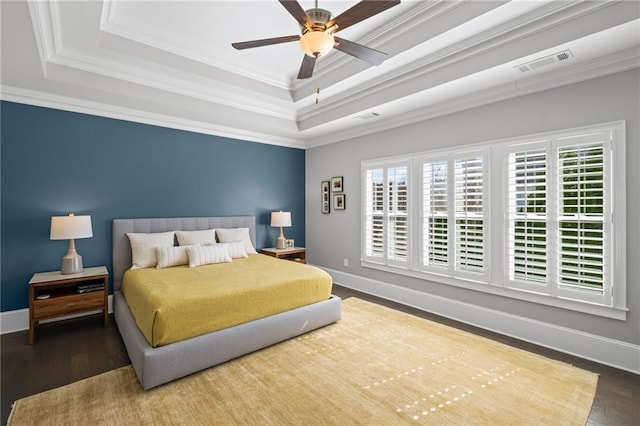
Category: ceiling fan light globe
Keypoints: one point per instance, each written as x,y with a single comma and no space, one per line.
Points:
316,43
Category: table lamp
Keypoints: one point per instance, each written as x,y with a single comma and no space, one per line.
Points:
281,219
69,228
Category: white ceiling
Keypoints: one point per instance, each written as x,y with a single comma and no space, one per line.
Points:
172,64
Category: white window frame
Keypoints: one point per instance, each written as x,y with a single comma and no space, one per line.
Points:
495,277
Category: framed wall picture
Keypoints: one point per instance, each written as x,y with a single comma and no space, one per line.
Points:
339,202
336,184
325,201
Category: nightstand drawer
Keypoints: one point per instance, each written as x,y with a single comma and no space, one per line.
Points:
67,304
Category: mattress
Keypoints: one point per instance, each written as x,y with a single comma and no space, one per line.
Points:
174,304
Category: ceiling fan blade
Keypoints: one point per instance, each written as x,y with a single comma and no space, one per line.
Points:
264,42
294,8
367,54
306,69
361,11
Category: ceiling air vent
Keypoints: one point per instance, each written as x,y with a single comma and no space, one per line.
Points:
543,62
368,116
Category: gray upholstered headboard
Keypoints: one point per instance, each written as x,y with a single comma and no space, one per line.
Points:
122,248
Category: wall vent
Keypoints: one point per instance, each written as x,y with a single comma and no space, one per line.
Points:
543,62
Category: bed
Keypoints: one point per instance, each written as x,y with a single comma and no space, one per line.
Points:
158,365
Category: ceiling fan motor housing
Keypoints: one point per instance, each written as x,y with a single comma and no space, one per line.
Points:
319,17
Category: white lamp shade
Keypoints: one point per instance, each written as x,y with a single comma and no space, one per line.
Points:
316,43
281,219
71,227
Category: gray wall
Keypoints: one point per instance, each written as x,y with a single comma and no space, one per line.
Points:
331,238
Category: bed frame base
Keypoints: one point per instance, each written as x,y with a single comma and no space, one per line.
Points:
156,366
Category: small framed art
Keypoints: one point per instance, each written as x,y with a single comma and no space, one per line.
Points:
325,201
336,184
339,202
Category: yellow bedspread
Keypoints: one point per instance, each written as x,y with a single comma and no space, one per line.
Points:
177,303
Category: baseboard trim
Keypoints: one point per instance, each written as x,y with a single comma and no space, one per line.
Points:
18,320
614,353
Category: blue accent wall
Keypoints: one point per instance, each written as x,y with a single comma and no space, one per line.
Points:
57,162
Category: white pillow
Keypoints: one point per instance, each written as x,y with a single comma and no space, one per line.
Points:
172,256
204,255
143,247
236,249
188,238
236,234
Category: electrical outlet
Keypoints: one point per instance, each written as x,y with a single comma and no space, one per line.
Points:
346,262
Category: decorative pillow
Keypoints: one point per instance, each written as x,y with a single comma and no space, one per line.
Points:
204,255
236,249
204,237
172,256
236,234
143,247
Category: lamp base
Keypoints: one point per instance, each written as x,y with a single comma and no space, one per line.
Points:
281,242
72,261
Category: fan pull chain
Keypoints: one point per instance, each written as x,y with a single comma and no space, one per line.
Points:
317,95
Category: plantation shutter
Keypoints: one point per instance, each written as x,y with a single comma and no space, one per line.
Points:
435,214
469,230
582,218
374,213
397,224
527,216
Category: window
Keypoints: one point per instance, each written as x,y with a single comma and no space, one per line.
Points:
386,205
559,244
556,235
459,249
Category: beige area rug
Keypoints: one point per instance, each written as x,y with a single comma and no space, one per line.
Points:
376,366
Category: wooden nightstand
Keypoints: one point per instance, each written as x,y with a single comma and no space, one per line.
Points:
53,295
296,254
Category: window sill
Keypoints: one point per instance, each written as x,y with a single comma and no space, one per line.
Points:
568,304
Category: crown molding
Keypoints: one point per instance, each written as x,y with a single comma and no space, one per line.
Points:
601,67
619,62
210,93
63,64
65,103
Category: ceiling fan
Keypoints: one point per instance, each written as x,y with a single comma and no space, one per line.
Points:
319,25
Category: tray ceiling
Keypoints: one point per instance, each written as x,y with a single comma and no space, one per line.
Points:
172,64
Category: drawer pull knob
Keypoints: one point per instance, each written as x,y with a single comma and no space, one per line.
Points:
71,304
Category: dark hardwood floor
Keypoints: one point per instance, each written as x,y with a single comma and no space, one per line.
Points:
64,352
69,351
